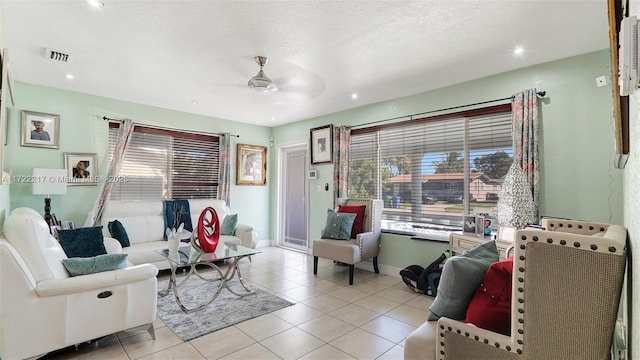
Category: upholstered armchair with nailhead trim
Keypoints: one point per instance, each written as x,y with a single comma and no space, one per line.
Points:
365,245
566,287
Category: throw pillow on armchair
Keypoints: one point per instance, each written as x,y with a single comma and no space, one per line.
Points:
490,307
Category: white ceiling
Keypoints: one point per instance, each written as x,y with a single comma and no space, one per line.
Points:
171,53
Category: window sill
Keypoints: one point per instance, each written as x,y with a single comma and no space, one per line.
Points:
440,236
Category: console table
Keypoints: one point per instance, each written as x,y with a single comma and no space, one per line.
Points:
459,242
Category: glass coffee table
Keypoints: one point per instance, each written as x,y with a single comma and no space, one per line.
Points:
188,256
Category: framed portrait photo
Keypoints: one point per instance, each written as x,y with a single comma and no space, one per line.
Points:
251,168
321,144
469,224
82,169
40,130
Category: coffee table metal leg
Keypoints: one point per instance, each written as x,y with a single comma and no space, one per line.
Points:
172,279
224,278
233,269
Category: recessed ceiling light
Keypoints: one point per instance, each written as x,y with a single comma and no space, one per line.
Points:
354,96
518,50
95,3
194,102
69,76
273,118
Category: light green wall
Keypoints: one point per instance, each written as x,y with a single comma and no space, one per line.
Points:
577,177
82,130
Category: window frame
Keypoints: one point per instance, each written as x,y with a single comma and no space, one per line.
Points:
172,181
425,230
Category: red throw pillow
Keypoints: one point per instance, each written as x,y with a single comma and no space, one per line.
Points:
490,307
358,224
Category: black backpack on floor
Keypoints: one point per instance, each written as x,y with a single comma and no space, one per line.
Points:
425,280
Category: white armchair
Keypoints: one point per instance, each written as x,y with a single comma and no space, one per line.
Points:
365,246
43,308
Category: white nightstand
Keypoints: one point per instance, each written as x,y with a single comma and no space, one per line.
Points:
458,243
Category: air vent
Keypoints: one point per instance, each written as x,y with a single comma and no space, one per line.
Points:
56,55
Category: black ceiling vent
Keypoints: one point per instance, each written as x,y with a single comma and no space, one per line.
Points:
57,55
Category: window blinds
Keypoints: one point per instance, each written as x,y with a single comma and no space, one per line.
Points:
425,169
166,164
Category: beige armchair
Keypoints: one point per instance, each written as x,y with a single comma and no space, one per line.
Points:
566,287
365,246
43,308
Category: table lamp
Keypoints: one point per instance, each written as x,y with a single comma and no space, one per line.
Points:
49,182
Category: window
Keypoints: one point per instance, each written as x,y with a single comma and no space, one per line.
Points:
431,171
166,164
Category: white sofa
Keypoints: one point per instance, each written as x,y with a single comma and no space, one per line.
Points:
43,308
144,224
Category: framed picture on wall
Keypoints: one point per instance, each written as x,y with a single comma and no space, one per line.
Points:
82,168
322,144
40,130
251,168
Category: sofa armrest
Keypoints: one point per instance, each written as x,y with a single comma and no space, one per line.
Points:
76,284
112,245
369,243
248,236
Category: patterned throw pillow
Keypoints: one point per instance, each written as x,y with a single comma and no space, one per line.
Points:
338,226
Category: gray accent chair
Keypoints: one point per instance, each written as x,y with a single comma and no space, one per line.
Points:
566,288
365,246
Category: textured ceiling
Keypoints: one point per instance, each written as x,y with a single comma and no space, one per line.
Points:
171,53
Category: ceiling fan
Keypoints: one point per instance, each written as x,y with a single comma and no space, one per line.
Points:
261,82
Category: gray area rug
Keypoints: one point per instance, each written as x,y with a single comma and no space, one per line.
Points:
226,310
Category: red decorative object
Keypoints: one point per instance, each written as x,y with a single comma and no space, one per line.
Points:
208,230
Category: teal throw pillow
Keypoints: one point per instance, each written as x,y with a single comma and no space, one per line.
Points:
338,226
461,275
117,230
82,242
229,225
95,264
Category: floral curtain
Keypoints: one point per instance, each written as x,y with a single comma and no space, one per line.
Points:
524,110
341,137
224,169
124,135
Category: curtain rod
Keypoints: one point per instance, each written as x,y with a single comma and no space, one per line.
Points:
539,94
167,128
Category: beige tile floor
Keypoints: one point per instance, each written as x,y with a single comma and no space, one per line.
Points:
330,319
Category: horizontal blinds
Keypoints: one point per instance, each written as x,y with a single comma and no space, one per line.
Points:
166,164
418,167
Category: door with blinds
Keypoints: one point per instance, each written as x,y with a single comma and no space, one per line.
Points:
294,197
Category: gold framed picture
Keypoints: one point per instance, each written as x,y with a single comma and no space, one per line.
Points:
251,168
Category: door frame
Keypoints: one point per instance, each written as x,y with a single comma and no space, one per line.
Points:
280,189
